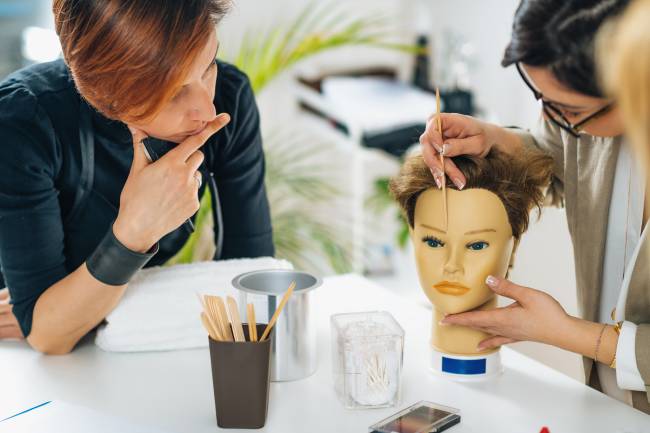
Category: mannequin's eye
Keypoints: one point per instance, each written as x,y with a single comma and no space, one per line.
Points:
433,242
478,246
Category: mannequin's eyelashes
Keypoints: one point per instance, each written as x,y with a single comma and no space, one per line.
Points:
477,246
433,242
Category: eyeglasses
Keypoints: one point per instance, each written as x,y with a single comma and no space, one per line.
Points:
554,113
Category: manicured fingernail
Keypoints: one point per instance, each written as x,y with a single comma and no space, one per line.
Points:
491,281
480,348
438,148
443,323
445,149
459,184
436,176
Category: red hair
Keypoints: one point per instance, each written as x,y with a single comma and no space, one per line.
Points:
129,57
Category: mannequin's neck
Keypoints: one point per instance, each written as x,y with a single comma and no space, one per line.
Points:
459,340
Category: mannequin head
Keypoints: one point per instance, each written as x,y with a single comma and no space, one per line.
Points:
485,222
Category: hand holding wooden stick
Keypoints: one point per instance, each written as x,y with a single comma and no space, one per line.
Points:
442,158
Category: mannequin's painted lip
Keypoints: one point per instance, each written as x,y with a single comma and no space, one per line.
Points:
449,288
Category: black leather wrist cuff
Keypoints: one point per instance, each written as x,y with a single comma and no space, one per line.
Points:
114,264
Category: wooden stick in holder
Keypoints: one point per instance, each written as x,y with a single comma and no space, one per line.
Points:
235,320
208,327
218,309
278,310
252,324
213,326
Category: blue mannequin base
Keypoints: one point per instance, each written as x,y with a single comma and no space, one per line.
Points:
466,368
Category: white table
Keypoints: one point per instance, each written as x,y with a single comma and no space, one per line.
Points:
173,390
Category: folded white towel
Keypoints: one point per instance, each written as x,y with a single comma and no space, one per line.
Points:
160,310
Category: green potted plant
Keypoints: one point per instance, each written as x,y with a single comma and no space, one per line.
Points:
300,235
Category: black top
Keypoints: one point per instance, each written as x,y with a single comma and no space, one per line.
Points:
40,167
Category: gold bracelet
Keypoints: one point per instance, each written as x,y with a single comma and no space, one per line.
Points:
613,364
600,337
617,329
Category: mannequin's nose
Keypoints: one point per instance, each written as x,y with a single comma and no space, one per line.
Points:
454,263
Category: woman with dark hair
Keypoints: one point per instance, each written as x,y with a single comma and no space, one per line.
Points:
595,177
101,167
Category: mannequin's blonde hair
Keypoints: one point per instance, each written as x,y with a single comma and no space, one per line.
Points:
623,50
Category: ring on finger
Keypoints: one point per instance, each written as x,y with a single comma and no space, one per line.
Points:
199,178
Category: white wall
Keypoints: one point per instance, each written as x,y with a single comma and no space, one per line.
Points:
487,26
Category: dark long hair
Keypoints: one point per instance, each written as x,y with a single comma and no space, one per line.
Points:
559,34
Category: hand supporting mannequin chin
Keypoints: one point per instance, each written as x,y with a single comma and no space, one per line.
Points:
485,222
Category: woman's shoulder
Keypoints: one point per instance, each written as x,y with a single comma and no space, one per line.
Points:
233,87
234,95
45,84
34,106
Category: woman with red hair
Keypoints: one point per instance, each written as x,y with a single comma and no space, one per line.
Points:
101,167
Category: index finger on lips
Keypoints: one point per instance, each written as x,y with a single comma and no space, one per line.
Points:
194,143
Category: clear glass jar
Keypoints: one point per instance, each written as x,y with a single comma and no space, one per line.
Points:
367,357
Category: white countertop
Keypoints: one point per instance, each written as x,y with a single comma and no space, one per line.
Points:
173,390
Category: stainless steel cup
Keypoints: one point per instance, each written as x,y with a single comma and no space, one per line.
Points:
293,344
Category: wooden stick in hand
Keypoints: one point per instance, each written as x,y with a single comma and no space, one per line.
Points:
283,302
442,159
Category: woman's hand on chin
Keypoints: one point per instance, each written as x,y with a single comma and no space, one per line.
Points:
159,196
9,328
533,316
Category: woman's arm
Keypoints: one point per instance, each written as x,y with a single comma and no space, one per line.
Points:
69,309
536,316
463,135
9,328
642,353
466,135
156,199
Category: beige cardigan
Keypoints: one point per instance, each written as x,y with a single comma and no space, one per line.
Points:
583,182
